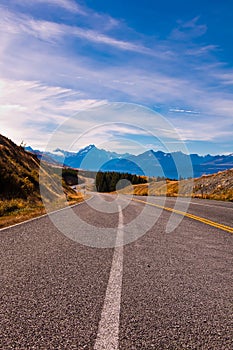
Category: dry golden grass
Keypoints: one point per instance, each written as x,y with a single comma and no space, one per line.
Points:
20,216
17,210
160,188
217,186
20,185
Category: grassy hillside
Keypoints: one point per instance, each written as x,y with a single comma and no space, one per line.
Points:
217,186
19,184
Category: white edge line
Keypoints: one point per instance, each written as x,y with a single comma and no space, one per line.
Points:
42,216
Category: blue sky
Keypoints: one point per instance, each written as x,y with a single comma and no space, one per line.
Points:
59,57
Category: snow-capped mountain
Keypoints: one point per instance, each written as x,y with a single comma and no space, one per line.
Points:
150,163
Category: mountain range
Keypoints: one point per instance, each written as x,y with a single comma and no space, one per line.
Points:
149,163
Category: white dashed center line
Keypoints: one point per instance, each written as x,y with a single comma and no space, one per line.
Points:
108,331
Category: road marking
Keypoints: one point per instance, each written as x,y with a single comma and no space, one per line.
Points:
191,216
108,331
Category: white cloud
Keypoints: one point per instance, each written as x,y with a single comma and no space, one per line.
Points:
36,99
96,37
188,30
74,106
222,106
202,50
198,132
178,110
24,25
69,5
30,110
52,31
136,125
92,18
225,78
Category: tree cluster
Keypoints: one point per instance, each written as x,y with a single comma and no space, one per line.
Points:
107,181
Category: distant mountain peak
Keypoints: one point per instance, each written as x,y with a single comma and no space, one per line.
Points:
29,149
58,150
87,148
151,162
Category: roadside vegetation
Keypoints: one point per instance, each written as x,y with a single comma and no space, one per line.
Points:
76,176
107,181
20,197
19,185
217,186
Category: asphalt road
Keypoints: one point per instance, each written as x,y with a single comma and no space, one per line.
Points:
161,291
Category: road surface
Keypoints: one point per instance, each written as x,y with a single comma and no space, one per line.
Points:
162,291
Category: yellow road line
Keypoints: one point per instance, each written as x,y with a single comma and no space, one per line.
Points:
191,216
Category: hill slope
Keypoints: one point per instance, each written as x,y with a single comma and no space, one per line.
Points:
19,184
217,186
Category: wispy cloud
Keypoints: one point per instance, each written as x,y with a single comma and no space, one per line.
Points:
225,78
202,50
97,37
69,5
50,70
52,31
188,30
75,9
24,25
178,110
26,106
197,132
